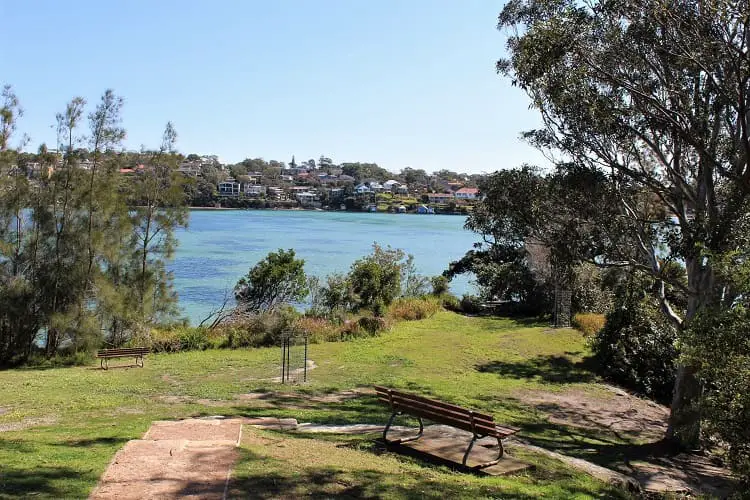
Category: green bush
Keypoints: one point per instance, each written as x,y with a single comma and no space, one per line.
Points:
372,324
718,343
451,302
440,285
636,346
470,304
589,295
194,339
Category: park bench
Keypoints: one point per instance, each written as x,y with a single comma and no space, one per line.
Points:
128,352
479,424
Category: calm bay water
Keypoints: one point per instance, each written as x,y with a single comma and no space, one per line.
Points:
220,246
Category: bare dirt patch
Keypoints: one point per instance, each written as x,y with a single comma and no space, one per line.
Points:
643,424
616,411
300,401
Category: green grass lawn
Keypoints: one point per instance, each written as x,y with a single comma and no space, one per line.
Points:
75,419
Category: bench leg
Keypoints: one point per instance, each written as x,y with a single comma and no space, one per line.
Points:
485,464
136,361
404,440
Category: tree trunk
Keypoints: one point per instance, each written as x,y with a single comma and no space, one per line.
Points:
685,418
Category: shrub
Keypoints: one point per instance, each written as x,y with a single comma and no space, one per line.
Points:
589,295
276,280
413,309
319,329
451,302
636,346
589,323
440,285
470,304
718,343
373,324
193,339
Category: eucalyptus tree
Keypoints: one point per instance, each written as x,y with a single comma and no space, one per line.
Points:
655,95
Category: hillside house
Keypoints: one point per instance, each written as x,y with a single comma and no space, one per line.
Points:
254,190
440,197
467,194
229,188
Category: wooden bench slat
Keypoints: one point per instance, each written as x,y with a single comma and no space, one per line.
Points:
123,352
464,417
433,402
450,418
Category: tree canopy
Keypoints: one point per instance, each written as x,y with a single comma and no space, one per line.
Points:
655,96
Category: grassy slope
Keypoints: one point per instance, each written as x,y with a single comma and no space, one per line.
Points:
84,415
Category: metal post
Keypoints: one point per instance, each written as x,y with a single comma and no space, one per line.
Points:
288,357
305,361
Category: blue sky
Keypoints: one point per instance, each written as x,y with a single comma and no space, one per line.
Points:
396,82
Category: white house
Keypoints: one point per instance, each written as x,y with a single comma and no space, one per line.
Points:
254,190
467,194
229,187
440,197
362,189
305,197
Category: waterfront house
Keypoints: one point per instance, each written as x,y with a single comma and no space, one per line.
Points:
275,192
440,197
467,194
421,209
229,188
362,189
253,190
306,198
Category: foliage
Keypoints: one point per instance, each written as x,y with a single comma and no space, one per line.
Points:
450,302
589,323
373,324
636,347
337,294
319,329
440,285
276,280
652,96
590,293
718,342
81,261
470,304
377,278
410,309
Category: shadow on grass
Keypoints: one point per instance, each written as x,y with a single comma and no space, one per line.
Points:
550,368
309,480
50,482
88,443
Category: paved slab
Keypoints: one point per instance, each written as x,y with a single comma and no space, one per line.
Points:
176,459
448,445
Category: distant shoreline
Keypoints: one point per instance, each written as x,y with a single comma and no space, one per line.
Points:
300,209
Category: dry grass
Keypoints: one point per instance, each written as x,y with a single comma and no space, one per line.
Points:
589,323
413,309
